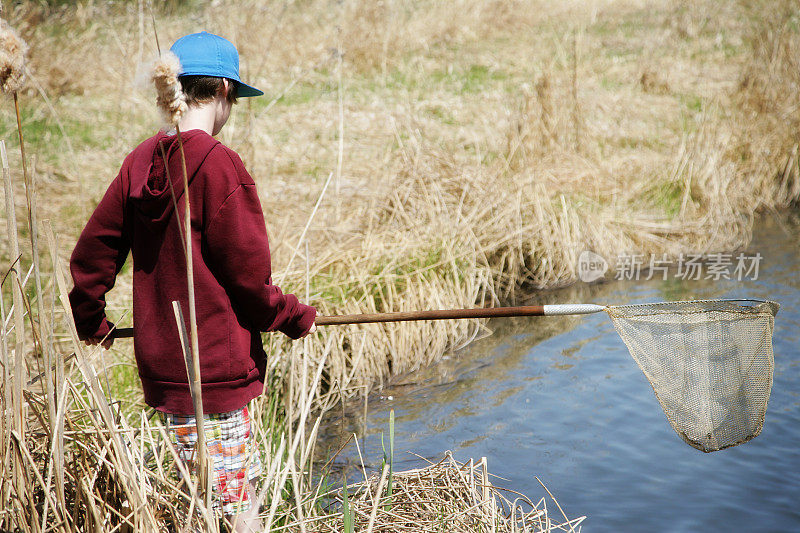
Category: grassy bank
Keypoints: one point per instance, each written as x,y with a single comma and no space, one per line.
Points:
476,148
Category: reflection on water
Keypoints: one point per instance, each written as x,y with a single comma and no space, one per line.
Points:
560,398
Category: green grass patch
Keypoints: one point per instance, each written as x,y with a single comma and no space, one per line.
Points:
692,102
347,515
610,84
43,135
403,79
638,143
385,277
442,114
123,376
471,79
300,94
666,196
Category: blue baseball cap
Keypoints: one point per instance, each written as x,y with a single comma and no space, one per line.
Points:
206,54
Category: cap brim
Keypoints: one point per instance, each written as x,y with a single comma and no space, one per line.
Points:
243,90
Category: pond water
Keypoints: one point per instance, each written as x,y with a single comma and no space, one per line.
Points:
560,398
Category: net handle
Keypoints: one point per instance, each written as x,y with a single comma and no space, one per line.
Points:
437,314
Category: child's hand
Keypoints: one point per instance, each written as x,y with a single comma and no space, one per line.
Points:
313,327
105,342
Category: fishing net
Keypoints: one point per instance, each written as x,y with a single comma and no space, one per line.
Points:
710,364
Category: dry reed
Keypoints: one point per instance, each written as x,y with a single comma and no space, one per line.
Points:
444,228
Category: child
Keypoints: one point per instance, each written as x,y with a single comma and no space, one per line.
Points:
235,297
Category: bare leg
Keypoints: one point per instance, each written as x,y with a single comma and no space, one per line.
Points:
248,521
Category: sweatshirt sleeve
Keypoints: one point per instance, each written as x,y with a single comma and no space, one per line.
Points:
99,255
238,251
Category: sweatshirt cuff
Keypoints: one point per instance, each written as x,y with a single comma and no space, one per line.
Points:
101,331
299,327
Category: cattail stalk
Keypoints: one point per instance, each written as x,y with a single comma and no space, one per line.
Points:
12,72
172,104
196,390
197,398
16,291
6,425
17,409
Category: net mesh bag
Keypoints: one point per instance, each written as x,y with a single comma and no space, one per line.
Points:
710,364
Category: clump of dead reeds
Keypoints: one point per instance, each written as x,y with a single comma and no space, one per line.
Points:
76,462
444,496
766,144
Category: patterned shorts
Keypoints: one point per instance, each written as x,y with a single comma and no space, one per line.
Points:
232,450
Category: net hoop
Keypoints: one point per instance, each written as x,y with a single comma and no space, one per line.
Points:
710,364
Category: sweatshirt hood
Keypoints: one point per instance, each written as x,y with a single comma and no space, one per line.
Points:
150,190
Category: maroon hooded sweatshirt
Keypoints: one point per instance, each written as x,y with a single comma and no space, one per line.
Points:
235,299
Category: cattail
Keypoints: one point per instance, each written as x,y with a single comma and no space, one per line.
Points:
172,104
171,99
12,58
